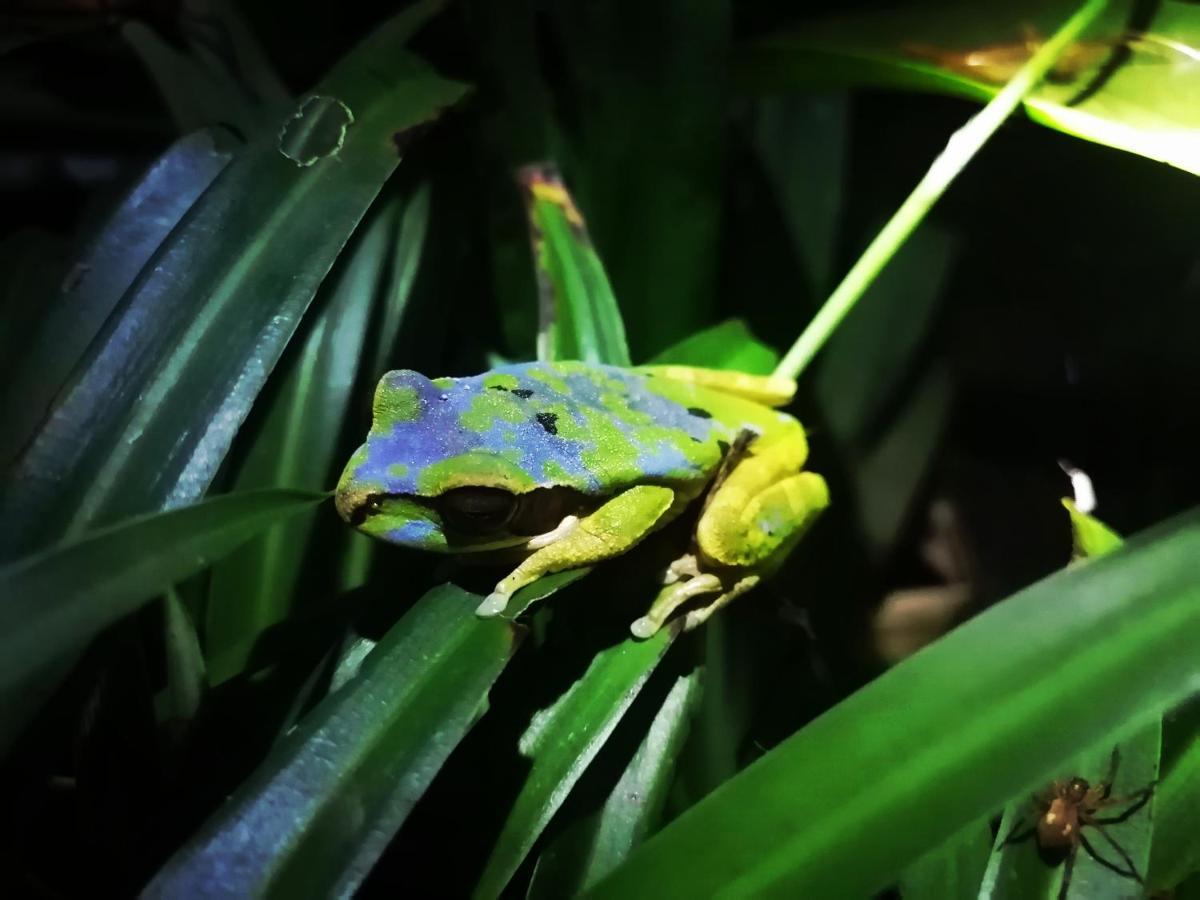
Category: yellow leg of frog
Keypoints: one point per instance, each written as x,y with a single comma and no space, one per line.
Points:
751,521
609,531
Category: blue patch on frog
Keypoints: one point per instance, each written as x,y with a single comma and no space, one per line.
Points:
414,531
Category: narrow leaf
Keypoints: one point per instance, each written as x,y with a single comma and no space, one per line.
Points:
148,420
562,741
1120,629
1010,874
253,588
315,816
593,847
579,314
102,273
57,600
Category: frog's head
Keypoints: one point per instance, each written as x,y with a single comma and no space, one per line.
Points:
442,469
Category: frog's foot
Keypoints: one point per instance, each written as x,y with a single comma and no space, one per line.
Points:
697,617
669,599
493,604
685,566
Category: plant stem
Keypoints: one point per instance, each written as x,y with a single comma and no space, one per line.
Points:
960,149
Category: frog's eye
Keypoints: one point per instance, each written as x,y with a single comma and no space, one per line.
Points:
477,510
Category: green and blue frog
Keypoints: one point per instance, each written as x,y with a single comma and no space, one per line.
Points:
568,464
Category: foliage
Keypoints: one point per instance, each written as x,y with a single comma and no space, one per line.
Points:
190,373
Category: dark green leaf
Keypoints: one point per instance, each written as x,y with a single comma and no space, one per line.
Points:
642,144
877,344
999,695
315,816
890,474
253,588
802,141
186,679
149,419
405,256
102,274
562,740
213,70
579,314
591,848
55,601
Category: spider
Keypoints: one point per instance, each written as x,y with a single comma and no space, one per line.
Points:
1066,808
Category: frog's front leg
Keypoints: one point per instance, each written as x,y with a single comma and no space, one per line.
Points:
750,523
610,531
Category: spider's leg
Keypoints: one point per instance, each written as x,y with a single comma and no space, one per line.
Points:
1142,797
1014,838
1131,873
1068,868
1111,777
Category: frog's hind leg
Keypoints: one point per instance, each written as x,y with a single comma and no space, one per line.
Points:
678,593
670,598
750,522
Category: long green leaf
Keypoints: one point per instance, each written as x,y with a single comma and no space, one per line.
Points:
594,846
149,419
563,740
315,816
644,147
55,601
1132,91
102,273
578,312
254,587
1010,872
1054,670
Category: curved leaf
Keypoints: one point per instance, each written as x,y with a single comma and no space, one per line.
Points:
579,317
563,740
254,587
593,847
315,816
1001,694
57,600
1136,91
148,420
102,273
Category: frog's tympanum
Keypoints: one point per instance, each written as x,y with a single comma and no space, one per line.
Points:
570,463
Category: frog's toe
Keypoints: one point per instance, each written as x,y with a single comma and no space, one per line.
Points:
685,567
644,628
493,604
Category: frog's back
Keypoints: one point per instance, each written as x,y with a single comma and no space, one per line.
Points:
596,429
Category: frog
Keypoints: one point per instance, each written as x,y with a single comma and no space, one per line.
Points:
563,465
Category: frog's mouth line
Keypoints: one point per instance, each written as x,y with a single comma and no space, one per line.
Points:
471,519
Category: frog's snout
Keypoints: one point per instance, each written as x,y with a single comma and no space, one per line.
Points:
349,501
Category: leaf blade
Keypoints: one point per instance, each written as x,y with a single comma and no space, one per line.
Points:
928,726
